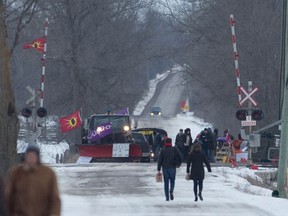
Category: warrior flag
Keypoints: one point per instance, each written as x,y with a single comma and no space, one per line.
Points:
37,44
100,132
70,122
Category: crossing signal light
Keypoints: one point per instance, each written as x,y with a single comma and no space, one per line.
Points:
41,112
26,112
257,115
241,114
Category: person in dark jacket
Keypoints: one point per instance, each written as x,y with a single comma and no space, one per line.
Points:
195,160
2,204
166,161
157,145
187,144
205,139
179,141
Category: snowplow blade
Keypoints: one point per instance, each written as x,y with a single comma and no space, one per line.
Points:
104,152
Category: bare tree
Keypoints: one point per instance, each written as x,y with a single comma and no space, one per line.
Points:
8,114
18,14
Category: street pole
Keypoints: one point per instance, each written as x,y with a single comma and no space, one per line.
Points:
282,164
249,114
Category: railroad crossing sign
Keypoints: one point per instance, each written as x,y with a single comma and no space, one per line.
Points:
34,95
248,96
248,122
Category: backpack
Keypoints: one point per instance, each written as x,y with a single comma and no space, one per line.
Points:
177,159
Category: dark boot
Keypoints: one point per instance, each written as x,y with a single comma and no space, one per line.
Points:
196,199
200,196
171,196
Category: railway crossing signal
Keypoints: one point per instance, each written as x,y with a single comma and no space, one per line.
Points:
41,112
248,96
32,111
256,115
241,114
26,112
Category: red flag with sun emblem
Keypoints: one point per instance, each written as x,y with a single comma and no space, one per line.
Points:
70,122
37,44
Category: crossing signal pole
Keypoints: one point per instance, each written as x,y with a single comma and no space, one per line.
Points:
31,110
249,115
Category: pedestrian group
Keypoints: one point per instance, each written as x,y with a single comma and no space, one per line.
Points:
195,153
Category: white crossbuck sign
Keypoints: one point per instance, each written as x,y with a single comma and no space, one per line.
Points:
248,96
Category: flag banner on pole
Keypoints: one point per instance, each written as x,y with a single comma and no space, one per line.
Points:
182,104
37,44
123,111
100,132
186,107
70,122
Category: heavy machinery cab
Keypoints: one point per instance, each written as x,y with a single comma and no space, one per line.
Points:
113,128
108,137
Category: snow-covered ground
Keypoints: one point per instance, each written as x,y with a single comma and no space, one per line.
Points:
48,149
130,189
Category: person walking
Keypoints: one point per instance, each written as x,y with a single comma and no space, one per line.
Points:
187,144
167,162
157,145
205,139
195,160
31,187
179,141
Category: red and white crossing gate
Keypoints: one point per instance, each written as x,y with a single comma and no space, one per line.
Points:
240,89
235,56
248,96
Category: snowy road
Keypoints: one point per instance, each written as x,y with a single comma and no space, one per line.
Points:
170,95
130,189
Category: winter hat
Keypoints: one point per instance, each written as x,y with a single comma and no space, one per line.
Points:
33,148
168,142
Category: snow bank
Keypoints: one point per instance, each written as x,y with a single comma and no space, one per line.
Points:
48,151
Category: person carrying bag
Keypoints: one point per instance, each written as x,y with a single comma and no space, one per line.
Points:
195,160
167,163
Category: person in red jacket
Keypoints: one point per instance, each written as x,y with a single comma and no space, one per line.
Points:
195,160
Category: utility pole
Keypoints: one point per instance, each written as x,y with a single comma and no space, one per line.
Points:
282,165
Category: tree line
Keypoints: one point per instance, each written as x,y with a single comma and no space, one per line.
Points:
101,55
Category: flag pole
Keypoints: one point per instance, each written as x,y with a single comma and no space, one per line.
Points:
43,60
